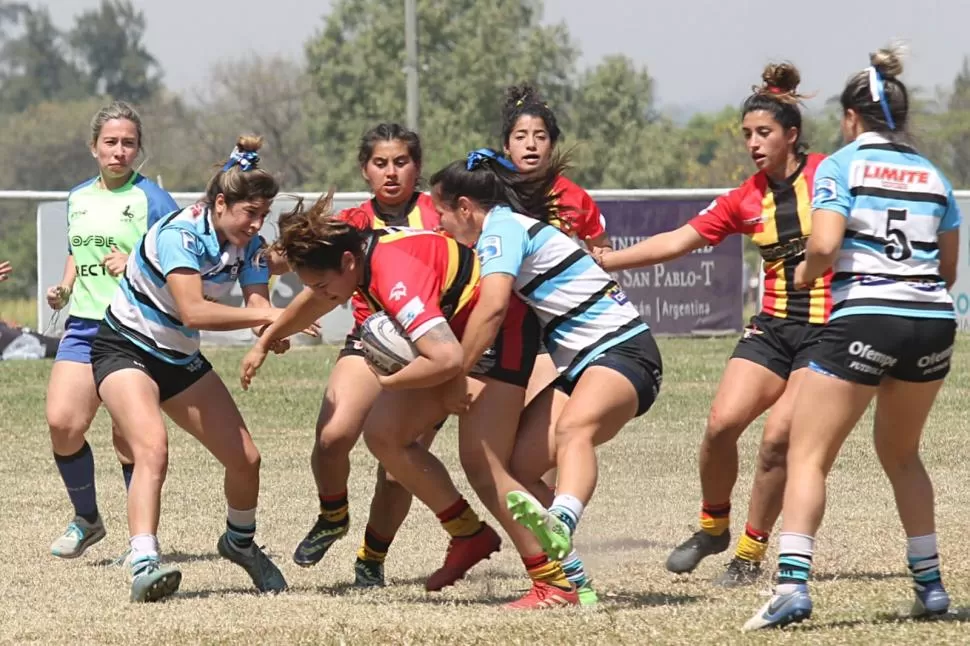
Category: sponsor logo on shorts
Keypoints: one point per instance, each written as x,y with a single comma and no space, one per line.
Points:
751,331
935,361
869,361
195,365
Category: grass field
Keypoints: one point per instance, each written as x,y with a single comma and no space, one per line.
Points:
646,502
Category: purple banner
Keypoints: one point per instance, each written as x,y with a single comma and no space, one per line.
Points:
699,293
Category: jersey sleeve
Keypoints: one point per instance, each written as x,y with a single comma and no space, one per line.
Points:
409,290
255,269
590,223
160,204
952,217
831,189
502,247
722,217
178,248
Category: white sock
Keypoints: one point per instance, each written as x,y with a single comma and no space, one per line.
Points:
241,517
144,547
921,547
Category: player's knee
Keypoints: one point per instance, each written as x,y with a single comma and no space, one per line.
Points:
246,461
65,427
722,428
477,469
380,440
337,437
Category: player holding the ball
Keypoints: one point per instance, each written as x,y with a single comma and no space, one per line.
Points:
429,284
390,162
609,365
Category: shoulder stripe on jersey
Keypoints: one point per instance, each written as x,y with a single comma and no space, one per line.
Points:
534,230
885,302
905,196
547,276
915,244
147,302
891,147
593,299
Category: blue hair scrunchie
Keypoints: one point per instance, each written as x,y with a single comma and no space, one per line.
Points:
245,159
477,157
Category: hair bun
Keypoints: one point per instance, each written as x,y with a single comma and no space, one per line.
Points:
518,95
780,78
249,143
889,60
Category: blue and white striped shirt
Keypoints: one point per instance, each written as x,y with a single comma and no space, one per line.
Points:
582,310
897,204
144,311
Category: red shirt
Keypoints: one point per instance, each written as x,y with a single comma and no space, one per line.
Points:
420,278
584,219
778,218
421,215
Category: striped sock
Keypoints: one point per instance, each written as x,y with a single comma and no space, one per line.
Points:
753,545
715,519
460,520
794,561
573,567
540,568
923,558
568,509
241,528
374,547
335,508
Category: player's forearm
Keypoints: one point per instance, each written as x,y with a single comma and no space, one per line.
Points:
302,312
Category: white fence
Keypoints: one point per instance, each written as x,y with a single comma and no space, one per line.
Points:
52,232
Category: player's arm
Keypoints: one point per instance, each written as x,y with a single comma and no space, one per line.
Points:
440,361
655,249
822,248
485,321
196,312
949,243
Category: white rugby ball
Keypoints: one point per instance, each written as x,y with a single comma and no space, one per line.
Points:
385,345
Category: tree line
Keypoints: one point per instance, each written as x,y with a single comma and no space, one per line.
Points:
312,111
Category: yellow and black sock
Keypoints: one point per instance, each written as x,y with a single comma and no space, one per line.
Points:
334,508
540,568
460,520
715,519
374,547
753,545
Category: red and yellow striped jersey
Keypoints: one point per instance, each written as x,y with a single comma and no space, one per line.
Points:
778,218
367,215
421,278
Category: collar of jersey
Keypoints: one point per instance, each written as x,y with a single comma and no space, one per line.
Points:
871,138
99,183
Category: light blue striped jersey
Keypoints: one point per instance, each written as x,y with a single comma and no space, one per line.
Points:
583,312
144,311
897,204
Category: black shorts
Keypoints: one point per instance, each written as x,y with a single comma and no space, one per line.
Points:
111,352
864,348
513,354
637,359
352,345
780,345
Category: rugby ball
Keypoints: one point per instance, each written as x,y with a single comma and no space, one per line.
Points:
385,345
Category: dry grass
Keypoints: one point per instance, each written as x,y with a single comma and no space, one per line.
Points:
22,311
647,500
